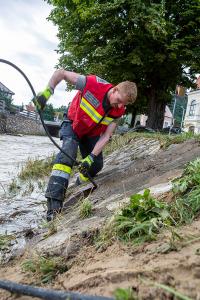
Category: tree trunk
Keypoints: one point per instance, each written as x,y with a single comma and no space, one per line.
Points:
156,111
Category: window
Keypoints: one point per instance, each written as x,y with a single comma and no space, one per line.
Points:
192,108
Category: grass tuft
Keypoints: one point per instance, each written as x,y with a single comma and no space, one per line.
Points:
36,168
45,269
13,187
52,227
124,294
106,236
165,140
172,291
85,210
5,241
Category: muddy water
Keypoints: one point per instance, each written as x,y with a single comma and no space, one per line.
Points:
23,211
15,150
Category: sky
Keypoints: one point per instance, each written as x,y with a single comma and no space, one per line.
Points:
28,40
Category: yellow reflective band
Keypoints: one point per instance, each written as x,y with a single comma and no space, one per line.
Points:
63,168
90,111
47,93
93,114
107,121
82,177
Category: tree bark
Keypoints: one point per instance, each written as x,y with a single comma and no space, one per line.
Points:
156,110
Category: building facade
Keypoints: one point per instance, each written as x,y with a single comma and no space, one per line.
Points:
192,116
5,96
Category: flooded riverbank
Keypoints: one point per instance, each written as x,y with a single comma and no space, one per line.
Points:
15,150
24,210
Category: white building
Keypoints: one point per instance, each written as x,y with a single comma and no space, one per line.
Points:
168,119
192,116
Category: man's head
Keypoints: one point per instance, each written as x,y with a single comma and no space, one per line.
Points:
122,94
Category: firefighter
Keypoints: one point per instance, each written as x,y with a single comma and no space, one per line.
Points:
89,124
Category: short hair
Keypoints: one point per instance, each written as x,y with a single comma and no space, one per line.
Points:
129,89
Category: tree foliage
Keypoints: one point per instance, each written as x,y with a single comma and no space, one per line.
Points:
154,43
7,98
48,113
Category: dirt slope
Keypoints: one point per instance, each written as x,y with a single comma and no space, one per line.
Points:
122,266
100,273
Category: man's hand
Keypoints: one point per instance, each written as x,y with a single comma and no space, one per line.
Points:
41,99
86,163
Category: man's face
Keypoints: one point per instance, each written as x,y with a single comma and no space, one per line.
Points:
116,99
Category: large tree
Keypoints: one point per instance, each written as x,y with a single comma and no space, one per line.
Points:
154,43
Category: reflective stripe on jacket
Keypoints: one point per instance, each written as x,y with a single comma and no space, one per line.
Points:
87,112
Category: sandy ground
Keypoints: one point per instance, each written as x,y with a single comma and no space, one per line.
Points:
100,273
97,272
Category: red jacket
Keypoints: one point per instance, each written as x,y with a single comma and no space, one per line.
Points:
87,112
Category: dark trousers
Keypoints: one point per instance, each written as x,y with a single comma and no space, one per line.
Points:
58,181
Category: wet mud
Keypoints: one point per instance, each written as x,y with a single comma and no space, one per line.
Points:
142,164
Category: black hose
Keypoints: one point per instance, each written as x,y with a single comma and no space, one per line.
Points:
47,294
31,290
39,112
41,118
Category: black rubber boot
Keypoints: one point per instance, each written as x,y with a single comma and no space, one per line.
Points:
54,207
56,188
55,195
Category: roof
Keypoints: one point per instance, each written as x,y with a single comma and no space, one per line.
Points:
5,89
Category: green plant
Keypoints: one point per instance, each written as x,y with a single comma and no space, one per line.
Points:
13,187
186,206
187,194
172,291
52,227
41,184
36,168
29,188
45,269
5,241
142,219
105,237
165,140
85,209
189,179
124,294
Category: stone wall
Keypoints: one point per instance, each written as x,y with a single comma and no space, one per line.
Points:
10,123
2,123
